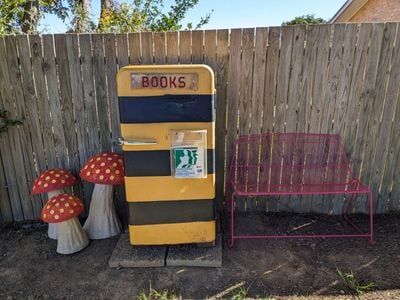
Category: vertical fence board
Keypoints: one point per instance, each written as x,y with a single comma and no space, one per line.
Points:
121,40
89,103
357,78
293,111
260,56
185,46
123,60
197,47
135,55
335,62
172,47
43,102
111,73
318,94
220,130
343,95
12,208
5,207
377,106
101,91
49,66
72,48
160,56
320,81
385,92
345,78
22,143
366,98
245,92
146,39
330,99
67,107
393,140
89,98
284,70
271,71
256,106
210,49
31,107
234,71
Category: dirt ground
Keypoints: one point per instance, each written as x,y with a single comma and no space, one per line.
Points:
31,269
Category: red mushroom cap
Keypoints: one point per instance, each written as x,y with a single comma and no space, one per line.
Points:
104,168
61,208
53,179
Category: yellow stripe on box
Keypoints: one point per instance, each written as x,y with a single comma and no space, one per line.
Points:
205,80
168,188
175,233
160,132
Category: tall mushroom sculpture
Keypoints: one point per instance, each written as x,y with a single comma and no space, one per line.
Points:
53,182
63,210
105,170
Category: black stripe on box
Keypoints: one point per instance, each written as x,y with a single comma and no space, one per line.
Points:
168,108
156,163
166,212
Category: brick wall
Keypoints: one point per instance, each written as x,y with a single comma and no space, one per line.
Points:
378,11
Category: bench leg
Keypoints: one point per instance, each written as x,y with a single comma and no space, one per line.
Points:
231,242
371,219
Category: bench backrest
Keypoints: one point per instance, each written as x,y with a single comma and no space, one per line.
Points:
289,159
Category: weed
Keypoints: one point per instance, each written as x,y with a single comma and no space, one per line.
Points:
353,284
156,295
240,294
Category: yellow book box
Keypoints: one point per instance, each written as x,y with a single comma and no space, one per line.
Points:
167,115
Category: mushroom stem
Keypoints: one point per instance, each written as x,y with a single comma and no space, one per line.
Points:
71,237
52,231
102,221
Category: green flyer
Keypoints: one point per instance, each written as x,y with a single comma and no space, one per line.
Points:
188,162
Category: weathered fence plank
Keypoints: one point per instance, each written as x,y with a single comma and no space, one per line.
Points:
172,48
185,46
234,71
389,191
146,39
49,66
11,209
101,91
160,56
23,158
197,47
43,102
135,54
386,90
220,127
271,65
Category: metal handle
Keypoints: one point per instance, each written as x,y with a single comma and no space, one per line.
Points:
121,142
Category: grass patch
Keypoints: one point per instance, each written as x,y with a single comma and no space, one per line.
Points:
157,295
353,284
240,294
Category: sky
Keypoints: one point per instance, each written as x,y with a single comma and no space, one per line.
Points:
226,14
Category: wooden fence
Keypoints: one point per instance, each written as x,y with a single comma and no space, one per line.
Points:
325,79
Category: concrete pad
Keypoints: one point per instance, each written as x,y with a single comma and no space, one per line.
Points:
127,256
195,256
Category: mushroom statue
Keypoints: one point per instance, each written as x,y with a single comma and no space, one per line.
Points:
53,182
63,210
105,170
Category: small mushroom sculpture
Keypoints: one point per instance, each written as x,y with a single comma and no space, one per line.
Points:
63,210
53,182
105,170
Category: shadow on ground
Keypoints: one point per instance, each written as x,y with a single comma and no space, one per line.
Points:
30,267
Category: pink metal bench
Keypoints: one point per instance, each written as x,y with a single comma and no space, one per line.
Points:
293,164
